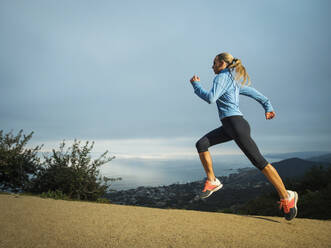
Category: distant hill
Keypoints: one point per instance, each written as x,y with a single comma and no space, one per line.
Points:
324,158
295,167
303,155
288,168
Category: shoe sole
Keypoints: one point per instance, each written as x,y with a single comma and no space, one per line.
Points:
212,191
296,198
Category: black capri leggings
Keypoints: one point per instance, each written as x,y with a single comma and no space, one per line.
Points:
234,128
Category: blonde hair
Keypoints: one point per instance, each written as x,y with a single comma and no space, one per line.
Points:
235,64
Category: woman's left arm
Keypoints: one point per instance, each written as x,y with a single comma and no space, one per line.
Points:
263,100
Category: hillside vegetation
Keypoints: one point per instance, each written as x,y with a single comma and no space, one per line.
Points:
246,192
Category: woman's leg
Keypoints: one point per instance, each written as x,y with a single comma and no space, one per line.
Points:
207,163
214,137
288,198
249,147
271,173
240,129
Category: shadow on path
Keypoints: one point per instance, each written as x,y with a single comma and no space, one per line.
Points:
262,218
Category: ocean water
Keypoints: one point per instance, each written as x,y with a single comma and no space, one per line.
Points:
153,172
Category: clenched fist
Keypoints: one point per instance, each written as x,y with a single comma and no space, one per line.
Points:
195,78
270,115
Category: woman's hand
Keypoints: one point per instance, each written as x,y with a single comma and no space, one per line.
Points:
270,115
195,78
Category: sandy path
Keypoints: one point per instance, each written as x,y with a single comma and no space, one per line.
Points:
29,221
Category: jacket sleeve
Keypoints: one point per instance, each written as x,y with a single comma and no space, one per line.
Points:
256,95
218,89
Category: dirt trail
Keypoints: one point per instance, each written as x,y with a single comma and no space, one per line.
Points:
28,221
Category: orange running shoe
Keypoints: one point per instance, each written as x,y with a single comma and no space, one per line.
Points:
289,205
210,187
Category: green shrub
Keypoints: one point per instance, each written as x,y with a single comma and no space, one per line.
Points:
17,163
227,211
57,194
73,172
103,200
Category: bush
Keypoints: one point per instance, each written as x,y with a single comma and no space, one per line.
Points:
73,172
226,211
17,164
103,200
57,194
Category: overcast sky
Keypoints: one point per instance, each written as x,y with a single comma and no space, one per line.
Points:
117,72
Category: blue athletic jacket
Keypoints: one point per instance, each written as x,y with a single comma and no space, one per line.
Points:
225,92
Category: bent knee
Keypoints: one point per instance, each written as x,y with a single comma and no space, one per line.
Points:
202,144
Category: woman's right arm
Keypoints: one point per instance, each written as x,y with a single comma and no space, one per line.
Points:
216,91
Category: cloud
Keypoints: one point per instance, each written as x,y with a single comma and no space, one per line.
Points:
147,148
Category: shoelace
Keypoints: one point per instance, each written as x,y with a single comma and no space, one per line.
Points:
284,204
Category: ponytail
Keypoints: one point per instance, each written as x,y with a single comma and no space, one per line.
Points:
235,64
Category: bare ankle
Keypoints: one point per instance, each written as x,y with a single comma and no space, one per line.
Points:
212,179
284,196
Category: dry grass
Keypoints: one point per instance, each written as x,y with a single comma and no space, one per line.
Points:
28,221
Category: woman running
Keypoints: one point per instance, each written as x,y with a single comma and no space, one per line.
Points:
225,92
